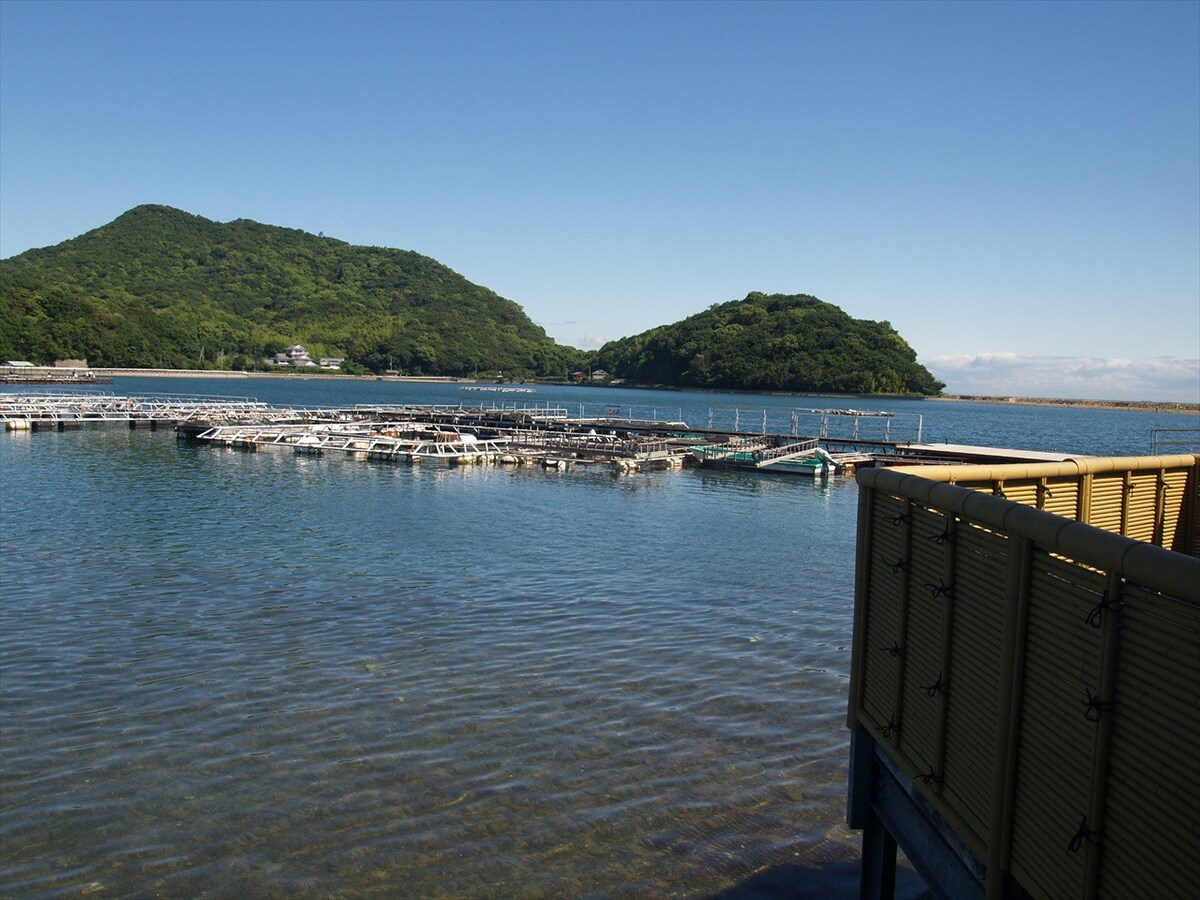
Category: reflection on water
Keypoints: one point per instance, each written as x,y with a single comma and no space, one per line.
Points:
229,673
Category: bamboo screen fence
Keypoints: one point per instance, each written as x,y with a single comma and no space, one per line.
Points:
1037,677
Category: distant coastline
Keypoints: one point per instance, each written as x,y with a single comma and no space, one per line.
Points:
1145,405
229,373
1163,406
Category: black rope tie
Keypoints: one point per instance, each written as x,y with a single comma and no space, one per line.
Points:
1096,708
1082,834
931,777
939,686
899,565
999,492
940,590
893,651
942,538
1096,616
902,519
891,726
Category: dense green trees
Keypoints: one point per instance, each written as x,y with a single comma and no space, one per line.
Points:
772,343
160,287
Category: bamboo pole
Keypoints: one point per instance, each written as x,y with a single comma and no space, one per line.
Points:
1008,714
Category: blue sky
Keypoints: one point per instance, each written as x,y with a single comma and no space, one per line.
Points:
1015,187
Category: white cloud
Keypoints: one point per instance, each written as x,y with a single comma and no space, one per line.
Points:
1009,374
591,342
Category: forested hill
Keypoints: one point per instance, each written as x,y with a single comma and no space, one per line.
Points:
772,343
160,287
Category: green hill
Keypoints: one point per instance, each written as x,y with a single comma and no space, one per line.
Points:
772,343
160,287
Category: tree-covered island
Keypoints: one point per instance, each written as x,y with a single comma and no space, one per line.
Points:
773,342
161,288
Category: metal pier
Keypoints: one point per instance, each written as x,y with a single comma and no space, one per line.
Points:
57,410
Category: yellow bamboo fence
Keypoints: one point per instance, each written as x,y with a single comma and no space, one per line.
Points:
1026,671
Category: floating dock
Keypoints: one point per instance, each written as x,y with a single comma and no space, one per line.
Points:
959,452
499,390
805,442
54,379
54,410
414,441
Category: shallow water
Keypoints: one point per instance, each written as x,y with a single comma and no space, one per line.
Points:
259,674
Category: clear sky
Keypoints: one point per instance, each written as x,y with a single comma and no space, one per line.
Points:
1015,186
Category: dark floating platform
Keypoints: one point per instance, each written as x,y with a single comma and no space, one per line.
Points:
64,380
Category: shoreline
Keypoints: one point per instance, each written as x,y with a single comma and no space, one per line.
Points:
1163,406
225,373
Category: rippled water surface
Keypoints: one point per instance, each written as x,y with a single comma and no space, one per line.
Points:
256,674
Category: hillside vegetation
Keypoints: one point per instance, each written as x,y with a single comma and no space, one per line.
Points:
773,342
161,287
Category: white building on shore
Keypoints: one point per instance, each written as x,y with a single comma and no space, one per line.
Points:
295,356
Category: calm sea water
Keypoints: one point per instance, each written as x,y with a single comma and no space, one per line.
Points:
227,674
